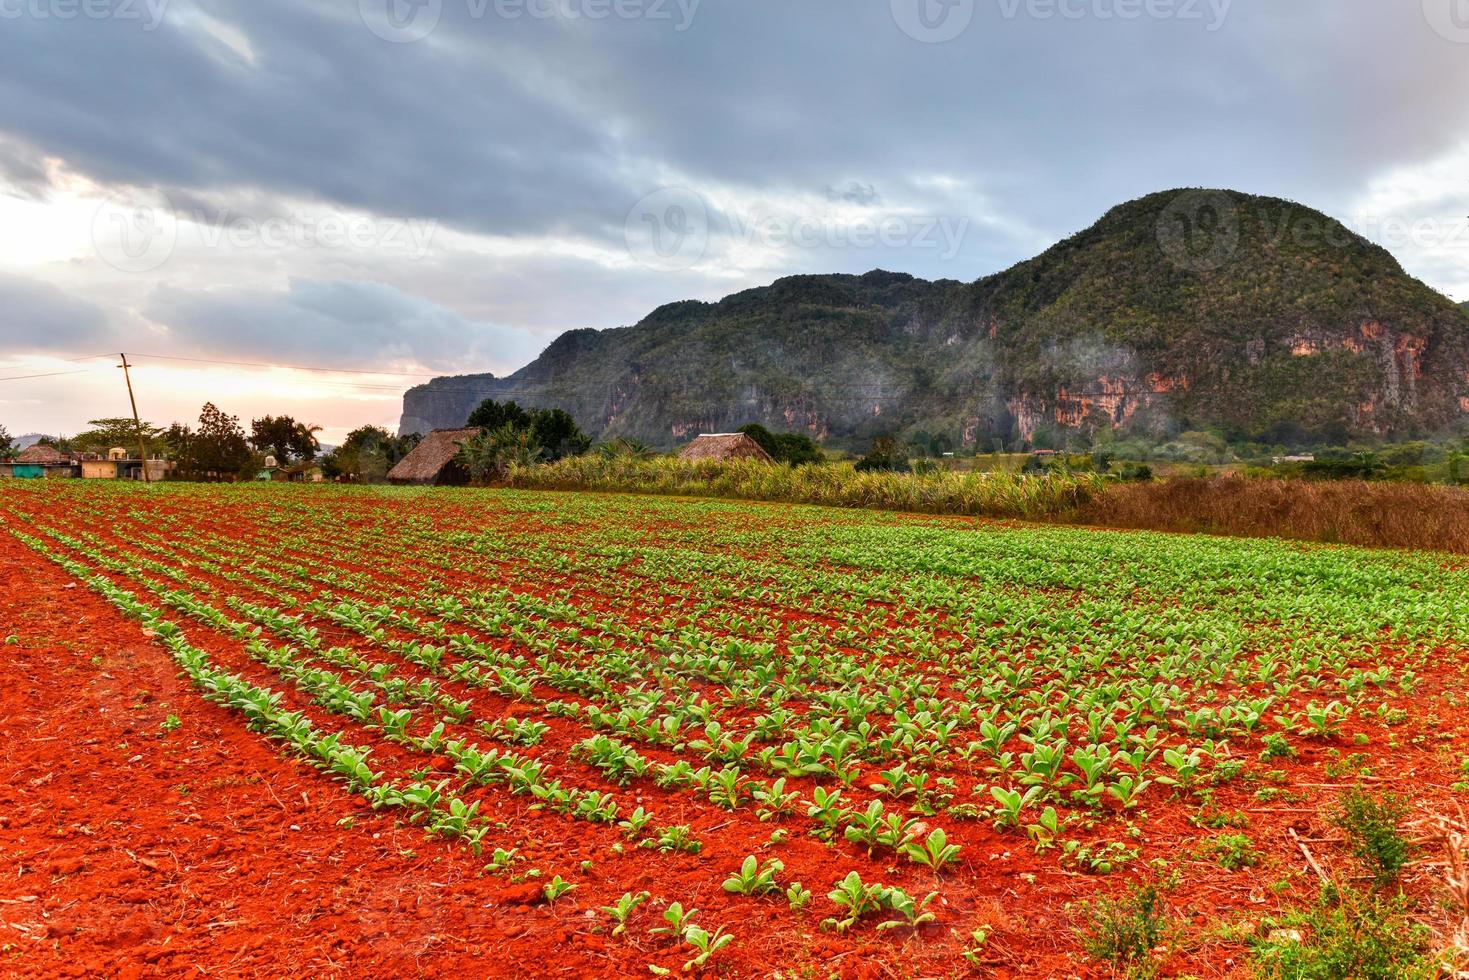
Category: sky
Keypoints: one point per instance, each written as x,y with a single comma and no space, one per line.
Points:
305,206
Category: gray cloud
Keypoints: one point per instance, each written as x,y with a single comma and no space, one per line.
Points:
37,317
541,126
23,170
1024,127
333,324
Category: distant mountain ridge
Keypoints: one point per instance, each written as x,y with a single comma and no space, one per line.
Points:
1182,309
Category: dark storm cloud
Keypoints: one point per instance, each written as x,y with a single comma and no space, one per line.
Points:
532,125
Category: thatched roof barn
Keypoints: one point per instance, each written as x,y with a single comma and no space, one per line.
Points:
431,463
40,462
725,446
39,455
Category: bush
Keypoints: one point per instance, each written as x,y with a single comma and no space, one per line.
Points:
1125,932
1233,852
885,457
489,455
1347,935
1371,826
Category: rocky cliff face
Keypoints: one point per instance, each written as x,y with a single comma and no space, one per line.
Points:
1180,310
443,403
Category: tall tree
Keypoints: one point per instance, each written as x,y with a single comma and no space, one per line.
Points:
785,447
557,435
494,415
553,430
7,444
107,434
284,438
367,454
217,450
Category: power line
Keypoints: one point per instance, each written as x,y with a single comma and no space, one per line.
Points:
285,367
53,374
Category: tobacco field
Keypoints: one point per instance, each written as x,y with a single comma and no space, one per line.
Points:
601,735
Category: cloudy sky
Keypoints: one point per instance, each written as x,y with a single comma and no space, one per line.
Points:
392,189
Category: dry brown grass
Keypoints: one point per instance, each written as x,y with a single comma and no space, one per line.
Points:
1445,841
1385,515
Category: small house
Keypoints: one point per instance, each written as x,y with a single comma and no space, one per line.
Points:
40,462
99,469
432,462
724,446
123,468
303,472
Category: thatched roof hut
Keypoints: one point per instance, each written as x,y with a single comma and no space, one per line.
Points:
724,446
432,462
39,455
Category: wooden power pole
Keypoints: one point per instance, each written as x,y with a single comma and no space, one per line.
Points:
142,443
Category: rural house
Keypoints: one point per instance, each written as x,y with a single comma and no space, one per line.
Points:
431,463
119,466
307,471
724,446
40,462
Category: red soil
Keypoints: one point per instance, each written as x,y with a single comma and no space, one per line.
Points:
127,850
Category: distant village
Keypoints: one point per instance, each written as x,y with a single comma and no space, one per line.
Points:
281,449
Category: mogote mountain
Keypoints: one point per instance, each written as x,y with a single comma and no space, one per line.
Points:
1181,310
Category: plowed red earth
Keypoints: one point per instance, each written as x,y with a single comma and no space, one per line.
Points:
127,850
127,854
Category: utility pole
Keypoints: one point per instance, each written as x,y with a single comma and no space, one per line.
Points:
137,423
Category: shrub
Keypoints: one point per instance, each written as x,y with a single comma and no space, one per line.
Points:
1233,851
554,432
1371,826
885,457
490,454
1125,932
1346,935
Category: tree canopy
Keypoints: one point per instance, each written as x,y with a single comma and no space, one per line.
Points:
217,450
367,454
553,431
785,447
104,435
284,438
